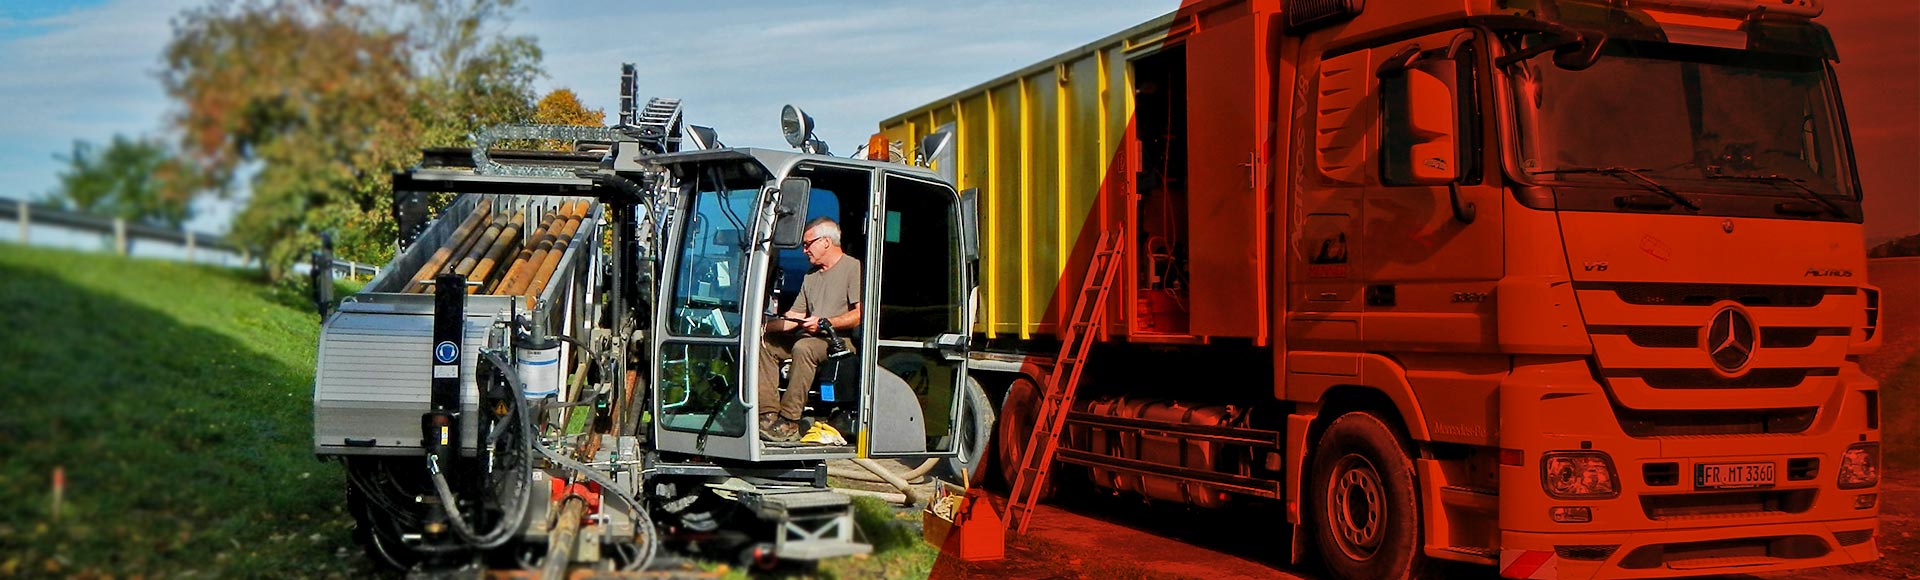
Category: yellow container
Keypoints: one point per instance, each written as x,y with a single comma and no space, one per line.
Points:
1038,144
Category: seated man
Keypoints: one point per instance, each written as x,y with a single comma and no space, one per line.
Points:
830,292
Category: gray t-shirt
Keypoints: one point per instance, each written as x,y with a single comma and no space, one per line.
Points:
830,292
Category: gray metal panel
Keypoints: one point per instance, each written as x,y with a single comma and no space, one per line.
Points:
898,425
374,380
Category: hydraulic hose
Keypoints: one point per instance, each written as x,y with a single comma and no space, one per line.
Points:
891,479
606,483
867,476
642,520
507,525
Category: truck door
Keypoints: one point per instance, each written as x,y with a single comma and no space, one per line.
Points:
700,330
919,333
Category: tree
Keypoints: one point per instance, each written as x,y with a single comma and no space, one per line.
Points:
323,99
562,107
136,179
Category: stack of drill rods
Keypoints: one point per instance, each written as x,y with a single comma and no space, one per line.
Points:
552,260
446,252
477,249
542,235
522,275
497,250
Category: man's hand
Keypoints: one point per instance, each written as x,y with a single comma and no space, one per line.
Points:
810,324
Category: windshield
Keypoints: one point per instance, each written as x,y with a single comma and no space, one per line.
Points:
1735,119
710,284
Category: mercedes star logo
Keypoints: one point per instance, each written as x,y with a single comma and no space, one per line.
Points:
1730,339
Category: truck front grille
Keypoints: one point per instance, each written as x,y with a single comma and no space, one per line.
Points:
1778,378
1661,294
1645,424
1689,336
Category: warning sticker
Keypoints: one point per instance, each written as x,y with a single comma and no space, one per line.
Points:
1324,241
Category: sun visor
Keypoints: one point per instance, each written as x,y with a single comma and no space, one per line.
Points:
1777,26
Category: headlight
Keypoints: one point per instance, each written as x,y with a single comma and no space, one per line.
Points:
1860,466
1578,474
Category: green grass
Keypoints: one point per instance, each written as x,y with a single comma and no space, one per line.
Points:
177,399
898,551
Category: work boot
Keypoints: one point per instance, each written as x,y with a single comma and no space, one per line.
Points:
778,429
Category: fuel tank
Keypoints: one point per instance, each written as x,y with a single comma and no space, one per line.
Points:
1144,445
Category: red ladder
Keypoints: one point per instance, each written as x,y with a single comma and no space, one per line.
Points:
1089,315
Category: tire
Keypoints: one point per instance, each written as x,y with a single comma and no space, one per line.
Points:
974,436
1018,413
374,534
1362,502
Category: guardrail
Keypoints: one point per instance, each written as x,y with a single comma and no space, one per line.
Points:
39,224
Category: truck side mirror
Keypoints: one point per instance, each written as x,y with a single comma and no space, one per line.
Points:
1420,115
790,215
1581,55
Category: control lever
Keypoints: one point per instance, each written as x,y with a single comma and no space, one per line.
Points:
836,346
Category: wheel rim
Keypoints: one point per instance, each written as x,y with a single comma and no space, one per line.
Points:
1356,507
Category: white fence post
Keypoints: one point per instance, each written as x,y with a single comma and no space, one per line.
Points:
189,246
120,236
25,209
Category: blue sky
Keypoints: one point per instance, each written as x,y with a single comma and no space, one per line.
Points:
86,69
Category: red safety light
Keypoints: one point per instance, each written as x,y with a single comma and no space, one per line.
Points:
877,147
1513,457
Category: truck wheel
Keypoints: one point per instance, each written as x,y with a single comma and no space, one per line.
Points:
974,434
1362,502
1018,413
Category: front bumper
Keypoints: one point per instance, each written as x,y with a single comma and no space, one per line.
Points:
1662,523
1673,553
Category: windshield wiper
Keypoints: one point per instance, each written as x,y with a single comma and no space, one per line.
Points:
1656,186
1799,187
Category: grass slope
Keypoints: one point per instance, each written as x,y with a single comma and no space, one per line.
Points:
177,399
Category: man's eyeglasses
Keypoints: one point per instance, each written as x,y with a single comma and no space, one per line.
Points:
809,243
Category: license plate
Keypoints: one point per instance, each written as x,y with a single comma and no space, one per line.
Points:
1732,475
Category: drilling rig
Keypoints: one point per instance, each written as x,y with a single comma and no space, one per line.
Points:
557,373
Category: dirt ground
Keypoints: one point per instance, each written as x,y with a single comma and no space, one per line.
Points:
1101,537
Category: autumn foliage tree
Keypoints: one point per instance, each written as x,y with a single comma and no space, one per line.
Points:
562,107
314,103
